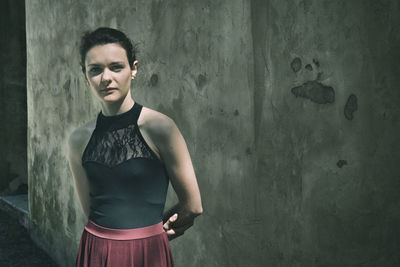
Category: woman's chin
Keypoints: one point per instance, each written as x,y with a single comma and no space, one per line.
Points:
111,98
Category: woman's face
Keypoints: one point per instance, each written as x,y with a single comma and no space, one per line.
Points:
108,72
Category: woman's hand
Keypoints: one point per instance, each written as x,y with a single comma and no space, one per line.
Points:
178,223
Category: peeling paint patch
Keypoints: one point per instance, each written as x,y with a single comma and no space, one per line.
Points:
67,85
341,163
315,91
308,67
236,113
296,64
55,91
154,80
201,81
71,217
248,151
350,107
316,62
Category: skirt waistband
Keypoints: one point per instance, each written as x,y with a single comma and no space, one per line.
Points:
124,234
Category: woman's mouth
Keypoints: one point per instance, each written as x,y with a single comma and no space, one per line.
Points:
108,89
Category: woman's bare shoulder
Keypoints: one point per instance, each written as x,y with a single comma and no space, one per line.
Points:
79,137
155,122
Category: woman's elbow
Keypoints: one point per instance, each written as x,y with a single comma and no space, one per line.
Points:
197,211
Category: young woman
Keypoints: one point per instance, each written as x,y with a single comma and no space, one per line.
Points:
122,162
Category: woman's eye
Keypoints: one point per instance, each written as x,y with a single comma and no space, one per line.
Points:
116,68
94,70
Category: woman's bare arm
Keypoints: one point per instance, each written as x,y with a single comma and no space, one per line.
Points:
175,155
74,153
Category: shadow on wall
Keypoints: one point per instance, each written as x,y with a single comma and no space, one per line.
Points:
13,101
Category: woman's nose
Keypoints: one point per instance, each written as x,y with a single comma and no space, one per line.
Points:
106,77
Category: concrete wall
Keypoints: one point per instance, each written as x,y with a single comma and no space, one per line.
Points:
13,167
289,110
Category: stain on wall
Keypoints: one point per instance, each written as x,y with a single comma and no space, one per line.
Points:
296,64
341,163
350,107
315,91
154,80
308,67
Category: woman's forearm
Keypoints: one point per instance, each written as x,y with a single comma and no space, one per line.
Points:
193,210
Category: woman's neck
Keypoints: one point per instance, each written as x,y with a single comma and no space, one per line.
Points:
115,108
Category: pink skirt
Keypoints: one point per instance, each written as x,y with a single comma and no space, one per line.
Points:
140,247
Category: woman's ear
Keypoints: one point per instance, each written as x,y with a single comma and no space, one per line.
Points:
134,69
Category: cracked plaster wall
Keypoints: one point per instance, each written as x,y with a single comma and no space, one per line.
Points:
290,113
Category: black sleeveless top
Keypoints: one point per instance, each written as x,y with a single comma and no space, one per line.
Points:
128,183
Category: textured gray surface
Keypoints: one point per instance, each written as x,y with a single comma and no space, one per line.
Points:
16,247
16,206
290,111
19,202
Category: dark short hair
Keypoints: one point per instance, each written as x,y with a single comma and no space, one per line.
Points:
102,36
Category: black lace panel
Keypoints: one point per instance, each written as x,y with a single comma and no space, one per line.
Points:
114,147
